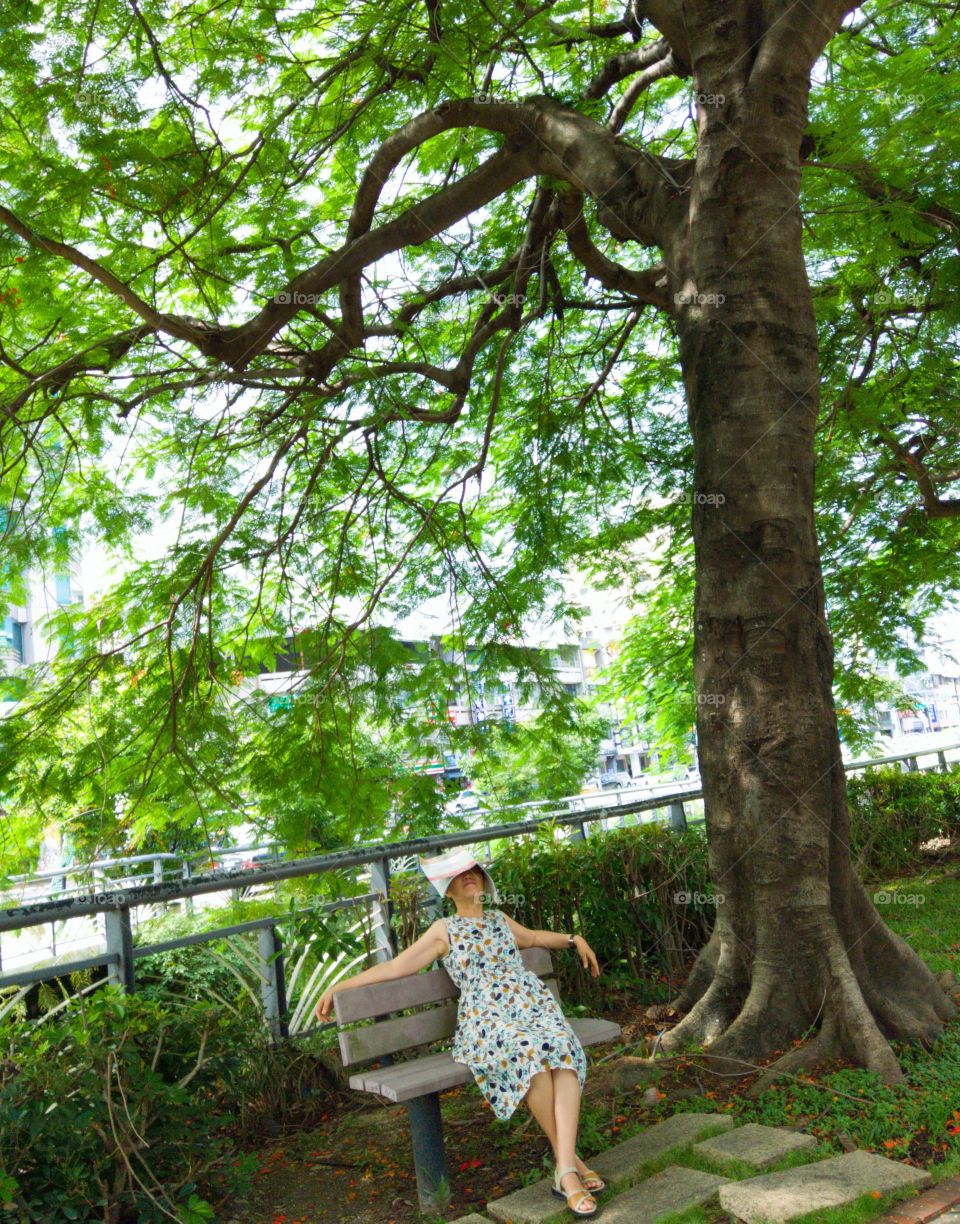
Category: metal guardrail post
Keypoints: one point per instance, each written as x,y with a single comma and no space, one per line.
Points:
185,873
942,758
384,949
119,939
273,987
158,872
912,766
678,817
578,832
98,888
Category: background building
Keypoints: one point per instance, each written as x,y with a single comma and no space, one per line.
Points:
25,638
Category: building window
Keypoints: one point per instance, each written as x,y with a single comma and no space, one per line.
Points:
11,638
61,584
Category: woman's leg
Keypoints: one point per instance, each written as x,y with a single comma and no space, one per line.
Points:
539,1098
566,1104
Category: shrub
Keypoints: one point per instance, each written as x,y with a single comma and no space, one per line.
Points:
119,1111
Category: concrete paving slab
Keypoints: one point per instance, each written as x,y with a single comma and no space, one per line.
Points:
534,1204
755,1145
672,1189
618,1166
776,1198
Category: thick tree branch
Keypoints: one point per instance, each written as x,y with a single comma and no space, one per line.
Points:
649,286
621,111
194,331
618,67
636,189
666,16
101,355
635,193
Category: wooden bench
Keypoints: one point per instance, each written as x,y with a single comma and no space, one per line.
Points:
418,1081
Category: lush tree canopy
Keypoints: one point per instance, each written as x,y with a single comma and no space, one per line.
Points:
289,278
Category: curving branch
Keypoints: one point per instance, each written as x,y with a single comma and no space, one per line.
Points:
618,67
649,286
542,137
908,459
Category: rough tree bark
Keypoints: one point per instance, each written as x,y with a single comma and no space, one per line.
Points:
797,942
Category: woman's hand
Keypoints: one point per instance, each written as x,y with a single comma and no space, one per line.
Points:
325,1006
588,957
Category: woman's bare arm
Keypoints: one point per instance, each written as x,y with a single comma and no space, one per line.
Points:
525,938
535,939
431,945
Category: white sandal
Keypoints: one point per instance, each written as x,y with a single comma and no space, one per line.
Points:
576,1197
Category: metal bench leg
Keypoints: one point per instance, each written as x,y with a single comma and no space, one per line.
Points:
428,1150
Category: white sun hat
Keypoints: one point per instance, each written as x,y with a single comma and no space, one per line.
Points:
442,869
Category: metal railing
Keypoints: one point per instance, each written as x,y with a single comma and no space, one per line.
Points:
116,906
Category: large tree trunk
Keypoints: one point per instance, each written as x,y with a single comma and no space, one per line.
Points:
798,944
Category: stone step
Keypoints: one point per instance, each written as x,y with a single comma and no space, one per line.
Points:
622,1163
757,1146
618,1166
673,1189
775,1198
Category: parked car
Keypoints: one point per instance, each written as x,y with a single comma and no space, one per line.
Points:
614,777
467,801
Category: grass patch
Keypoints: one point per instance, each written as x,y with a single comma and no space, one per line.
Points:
737,1170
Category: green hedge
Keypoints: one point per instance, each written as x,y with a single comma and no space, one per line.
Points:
893,813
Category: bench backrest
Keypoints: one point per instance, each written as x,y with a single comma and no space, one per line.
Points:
400,1033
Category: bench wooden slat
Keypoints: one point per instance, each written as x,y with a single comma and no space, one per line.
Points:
389,1036
437,1072
432,1069
434,986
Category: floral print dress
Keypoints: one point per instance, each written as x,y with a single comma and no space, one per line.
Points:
509,1026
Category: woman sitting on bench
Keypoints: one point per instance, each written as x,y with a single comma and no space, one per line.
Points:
510,1031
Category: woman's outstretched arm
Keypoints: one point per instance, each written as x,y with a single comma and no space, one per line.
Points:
432,944
554,939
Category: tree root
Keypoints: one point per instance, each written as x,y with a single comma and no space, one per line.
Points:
820,1049
882,993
